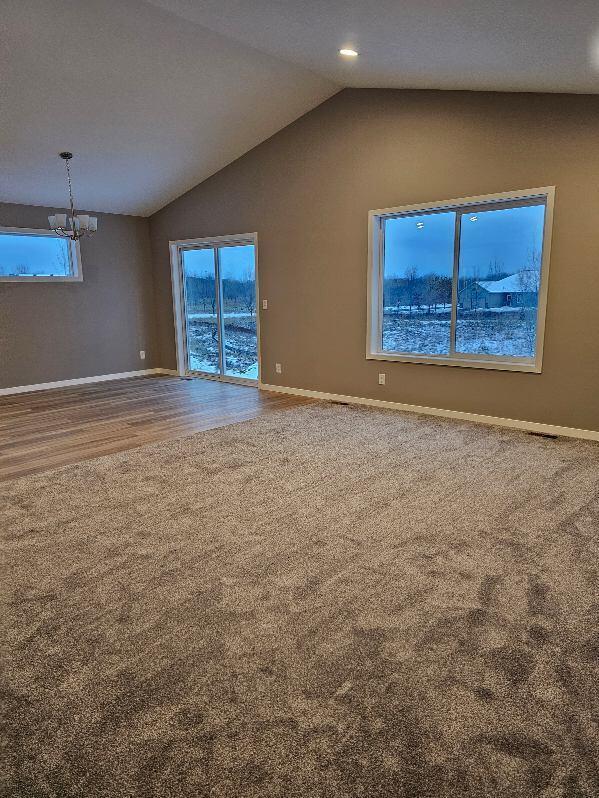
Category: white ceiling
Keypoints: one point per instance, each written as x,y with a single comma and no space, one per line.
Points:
499,45
149,103
154,96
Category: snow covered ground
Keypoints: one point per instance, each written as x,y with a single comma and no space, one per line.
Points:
496,331
197,364
251,373
241,350
406,309
227,315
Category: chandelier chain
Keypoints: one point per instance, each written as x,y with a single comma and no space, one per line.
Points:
70,190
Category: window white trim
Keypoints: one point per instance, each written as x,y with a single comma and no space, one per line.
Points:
176,248
376,218
76,275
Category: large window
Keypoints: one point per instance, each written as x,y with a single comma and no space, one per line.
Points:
37,255
461,282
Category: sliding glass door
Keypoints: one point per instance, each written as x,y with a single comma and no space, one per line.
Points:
218,312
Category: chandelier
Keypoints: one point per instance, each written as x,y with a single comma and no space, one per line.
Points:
76,225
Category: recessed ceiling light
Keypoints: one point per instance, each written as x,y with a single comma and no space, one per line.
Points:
348,51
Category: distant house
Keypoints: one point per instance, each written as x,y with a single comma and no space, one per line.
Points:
516,290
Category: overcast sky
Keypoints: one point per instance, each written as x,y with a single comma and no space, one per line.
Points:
506,235
40,254
236,263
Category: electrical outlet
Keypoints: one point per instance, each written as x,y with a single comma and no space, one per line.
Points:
381,379
265,304
278,368
142,354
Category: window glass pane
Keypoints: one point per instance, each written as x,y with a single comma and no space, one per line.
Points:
34,256
499,275
200,310
237,272
417,278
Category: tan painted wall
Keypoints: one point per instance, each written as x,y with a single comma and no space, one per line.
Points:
307,192
60,331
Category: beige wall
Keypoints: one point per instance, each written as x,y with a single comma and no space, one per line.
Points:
59,331
307,192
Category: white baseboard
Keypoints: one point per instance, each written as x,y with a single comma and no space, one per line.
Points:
46,386
528,426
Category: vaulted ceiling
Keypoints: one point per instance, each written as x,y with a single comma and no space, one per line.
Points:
498,45
154,96
149,102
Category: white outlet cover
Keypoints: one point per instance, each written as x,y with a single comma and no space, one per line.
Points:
264,304
142,354
278,368
381,379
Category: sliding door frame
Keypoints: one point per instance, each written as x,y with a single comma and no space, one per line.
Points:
178,287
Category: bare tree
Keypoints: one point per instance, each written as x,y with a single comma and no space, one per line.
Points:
496,270
471,290
528,281
531,275
207,295
250,291
435,291
61,262
411,280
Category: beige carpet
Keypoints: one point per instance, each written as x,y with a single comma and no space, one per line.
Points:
327,601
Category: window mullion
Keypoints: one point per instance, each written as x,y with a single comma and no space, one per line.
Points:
454,282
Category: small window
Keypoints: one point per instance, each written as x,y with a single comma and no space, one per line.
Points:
38,255
461,282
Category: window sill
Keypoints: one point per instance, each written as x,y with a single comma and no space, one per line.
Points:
498,364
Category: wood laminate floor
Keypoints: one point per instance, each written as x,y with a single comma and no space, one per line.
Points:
47,429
